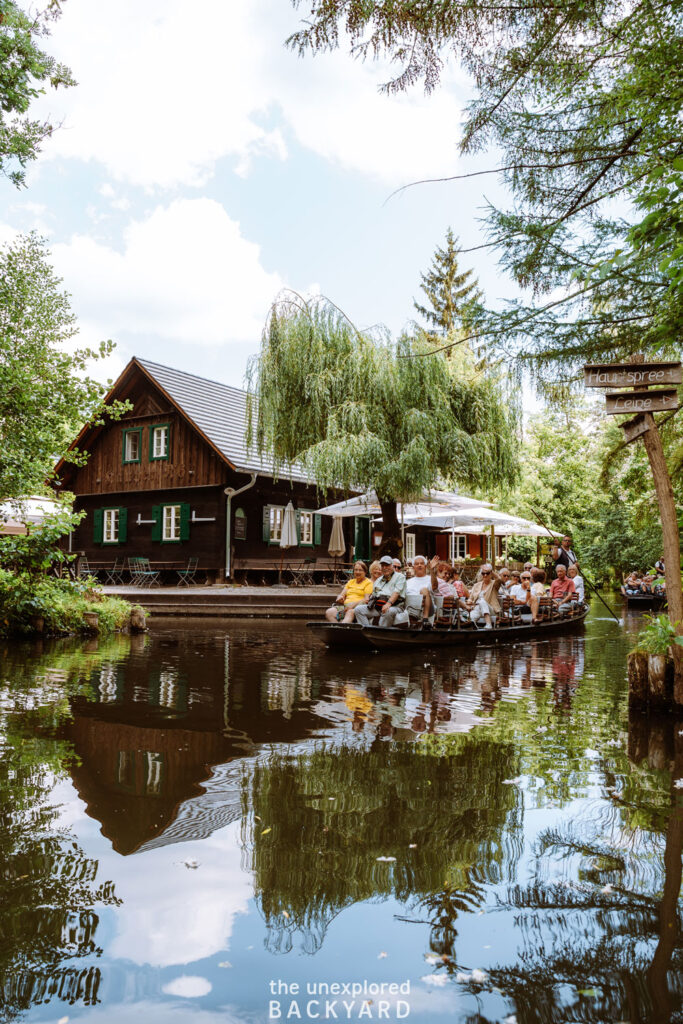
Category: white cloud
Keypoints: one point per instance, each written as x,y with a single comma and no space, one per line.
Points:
188,986
185,273
180,91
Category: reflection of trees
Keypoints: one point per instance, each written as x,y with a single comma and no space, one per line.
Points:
322,819
48,887
601,940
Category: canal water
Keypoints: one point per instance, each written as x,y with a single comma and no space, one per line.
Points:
224,822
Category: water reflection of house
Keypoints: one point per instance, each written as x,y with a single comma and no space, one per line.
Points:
161,738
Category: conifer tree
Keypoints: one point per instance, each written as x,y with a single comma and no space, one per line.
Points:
451,295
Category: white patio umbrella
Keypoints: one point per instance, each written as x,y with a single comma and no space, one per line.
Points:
337,545
288,534
480,519
432,504
19,514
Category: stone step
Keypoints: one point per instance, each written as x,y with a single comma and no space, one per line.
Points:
236,612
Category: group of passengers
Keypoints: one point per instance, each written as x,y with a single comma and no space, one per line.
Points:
392,595
639,584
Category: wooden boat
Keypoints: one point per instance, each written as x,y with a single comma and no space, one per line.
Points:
645,600
353,635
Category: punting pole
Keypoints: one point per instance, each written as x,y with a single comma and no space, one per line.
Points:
591,585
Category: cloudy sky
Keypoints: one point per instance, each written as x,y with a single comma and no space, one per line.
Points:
200,167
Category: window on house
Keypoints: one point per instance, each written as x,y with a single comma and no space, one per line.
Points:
410,546
458,545
110,526
132,445
171,523
306,528
277,515
159,441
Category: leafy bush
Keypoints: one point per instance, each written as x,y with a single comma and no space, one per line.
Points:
657,636
61,603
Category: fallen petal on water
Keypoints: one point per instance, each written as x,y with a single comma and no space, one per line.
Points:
385,859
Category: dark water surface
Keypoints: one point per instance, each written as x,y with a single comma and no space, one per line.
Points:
194,819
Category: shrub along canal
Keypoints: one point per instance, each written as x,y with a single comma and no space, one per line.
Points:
226,822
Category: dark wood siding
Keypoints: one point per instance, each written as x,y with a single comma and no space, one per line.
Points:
191,461
206,539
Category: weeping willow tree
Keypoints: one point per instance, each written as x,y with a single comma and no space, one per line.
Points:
357,414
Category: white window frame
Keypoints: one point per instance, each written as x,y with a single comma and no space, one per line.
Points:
457,546
409,551
160,451
130,455
306,527
170,523
276,518
110,526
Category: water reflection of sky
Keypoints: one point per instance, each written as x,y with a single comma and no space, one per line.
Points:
240,805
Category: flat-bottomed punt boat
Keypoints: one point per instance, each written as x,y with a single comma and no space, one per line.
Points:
354,636
636,601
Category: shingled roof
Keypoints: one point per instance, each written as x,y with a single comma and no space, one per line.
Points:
220,413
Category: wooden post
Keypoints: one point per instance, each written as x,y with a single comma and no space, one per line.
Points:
538,552
670,543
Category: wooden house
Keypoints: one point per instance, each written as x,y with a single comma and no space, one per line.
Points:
173,480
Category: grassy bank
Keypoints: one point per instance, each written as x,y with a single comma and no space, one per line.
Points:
43,604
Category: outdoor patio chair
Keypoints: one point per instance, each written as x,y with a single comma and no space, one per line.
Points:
84,569
141,572
148,576
115,574
186,576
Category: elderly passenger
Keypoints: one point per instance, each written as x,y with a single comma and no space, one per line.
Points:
562,589
483,599
419,594
387,600
577,579
357,590
375,571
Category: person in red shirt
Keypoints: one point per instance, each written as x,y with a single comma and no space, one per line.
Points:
562,589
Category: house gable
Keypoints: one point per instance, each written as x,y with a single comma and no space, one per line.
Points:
116,465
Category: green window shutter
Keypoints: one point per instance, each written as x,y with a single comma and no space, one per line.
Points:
184,521
98,525
123,448
156,526
151,443
317,529
123,525
297,516
266,524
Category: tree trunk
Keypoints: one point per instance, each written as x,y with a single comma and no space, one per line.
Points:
670,544
391,534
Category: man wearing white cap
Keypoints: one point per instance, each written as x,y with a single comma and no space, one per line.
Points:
388,598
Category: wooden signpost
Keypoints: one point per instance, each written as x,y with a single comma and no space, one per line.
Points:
640,376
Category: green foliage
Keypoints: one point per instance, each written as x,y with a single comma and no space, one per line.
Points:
452,297
38,551
359,414
572,96
25,71
61,603
579,477
45,394
658,636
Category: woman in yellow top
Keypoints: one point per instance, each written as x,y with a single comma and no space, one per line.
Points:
356,591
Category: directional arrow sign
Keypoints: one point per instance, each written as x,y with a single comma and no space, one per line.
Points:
635,428
625,402
632,375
